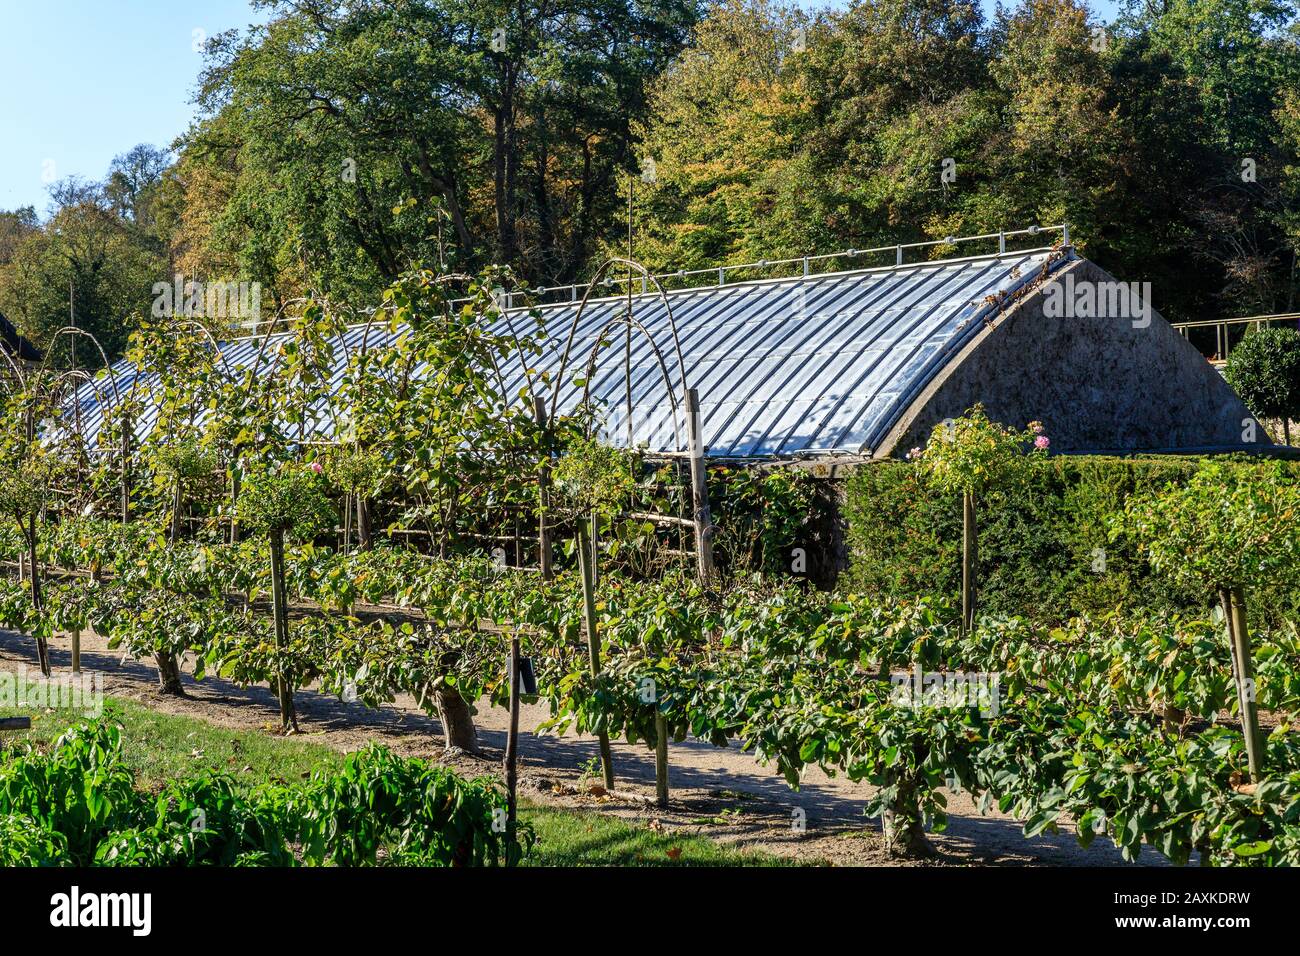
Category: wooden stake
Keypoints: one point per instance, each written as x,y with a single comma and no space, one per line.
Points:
661,761
34,570
280,612
969,559
699,489
126,468
512,751
593,635
543,495
1234,607
76,651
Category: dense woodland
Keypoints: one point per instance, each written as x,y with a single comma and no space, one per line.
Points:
342,144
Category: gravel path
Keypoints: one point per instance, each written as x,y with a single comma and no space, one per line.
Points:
722,792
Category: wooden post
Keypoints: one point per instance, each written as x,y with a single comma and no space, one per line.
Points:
699,489
1234,609
34,570
512,751
126,468
76,651
543,495
15,723
969,559
176,511
280,612
593,635
347,521
661,761
364,536
234,503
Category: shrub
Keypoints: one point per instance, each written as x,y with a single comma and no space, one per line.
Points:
1045,548
1265,371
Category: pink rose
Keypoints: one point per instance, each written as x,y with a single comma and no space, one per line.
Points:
1041,442
315,466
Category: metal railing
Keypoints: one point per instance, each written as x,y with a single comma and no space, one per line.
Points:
718,275
1224,341
804,263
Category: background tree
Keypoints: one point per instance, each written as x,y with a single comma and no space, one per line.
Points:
92,264
486,131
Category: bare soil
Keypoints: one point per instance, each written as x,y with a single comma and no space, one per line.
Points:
722,793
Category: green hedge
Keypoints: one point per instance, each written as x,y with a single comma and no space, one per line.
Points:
1037,540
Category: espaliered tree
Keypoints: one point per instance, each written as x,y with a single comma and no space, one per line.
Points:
181,380
177,468
22,495
33,455
357,473
1225,531
968,456
287,502
430,414
592,482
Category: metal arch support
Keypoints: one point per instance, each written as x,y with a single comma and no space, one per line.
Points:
672,325
663,366
73,330
79,376
13,364
271,330
184,323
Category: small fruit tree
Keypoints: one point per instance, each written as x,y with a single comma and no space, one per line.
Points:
967,456
178,468
1265,371
22,495
592,481
1226,530
288,501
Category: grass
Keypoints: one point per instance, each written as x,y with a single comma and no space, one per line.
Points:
567,838
163,747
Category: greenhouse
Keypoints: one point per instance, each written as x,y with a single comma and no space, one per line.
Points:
858,363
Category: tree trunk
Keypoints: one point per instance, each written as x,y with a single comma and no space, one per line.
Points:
904,833
169,675
280,615
456,719
169,669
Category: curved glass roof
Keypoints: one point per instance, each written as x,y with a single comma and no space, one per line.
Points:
815,365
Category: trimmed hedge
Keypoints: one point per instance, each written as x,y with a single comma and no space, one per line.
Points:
1038,540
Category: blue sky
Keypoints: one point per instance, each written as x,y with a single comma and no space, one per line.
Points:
85,80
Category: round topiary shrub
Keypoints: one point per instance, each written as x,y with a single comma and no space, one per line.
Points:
1264,370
